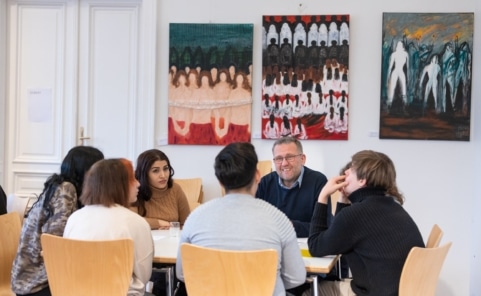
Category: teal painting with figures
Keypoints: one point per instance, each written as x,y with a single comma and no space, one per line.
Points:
210,83
426,76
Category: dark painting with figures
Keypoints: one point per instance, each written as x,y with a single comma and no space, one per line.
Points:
426,76
305,67
210,82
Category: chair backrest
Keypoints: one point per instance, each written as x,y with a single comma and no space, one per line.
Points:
16,203
264,167
225,272
10,229
334,199
193,190
76,267
434,237
421,270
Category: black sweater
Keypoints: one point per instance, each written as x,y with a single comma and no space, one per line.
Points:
298,202
375,234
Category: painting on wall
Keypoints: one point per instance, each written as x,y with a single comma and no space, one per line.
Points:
210,75
305,67
426,76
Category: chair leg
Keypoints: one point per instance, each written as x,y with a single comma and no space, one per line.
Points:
339,268
312,279
169,278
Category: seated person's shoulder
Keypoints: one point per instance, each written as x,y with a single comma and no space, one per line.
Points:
133,216
269,177
67,187
266,184
176,189
176,186
314,174
134,208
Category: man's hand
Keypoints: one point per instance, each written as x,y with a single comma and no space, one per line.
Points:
332,185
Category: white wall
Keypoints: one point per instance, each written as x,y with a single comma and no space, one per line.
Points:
3,31
440,179
474,201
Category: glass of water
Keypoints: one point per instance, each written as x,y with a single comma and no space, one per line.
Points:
174,229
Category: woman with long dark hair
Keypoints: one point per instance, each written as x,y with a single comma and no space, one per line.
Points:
160,200
58,200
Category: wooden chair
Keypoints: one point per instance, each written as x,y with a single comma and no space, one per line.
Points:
434,237
193,190
10,229
334,198
421,270
264,167
17,204
78,268
225,272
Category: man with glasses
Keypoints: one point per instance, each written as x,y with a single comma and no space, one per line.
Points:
293,188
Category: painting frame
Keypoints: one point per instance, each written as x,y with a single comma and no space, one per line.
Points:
305,84
210,83
426,76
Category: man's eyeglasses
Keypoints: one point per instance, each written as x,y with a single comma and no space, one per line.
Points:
288,158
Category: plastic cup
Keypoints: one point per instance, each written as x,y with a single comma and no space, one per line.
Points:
174,229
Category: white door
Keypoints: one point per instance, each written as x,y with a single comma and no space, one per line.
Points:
76,65
117,71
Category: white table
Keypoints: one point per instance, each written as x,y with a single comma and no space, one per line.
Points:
166,248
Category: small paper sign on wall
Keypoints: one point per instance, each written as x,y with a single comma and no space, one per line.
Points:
40,105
